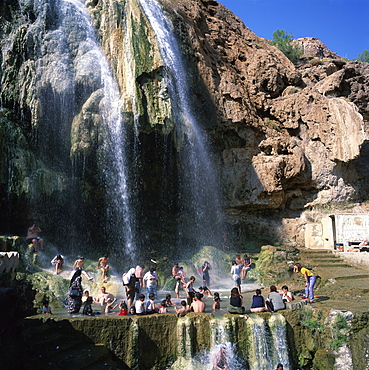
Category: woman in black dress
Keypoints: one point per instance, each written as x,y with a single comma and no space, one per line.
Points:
74,298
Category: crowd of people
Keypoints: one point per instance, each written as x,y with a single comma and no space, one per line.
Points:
136,283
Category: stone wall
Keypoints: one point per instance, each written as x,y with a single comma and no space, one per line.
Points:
157,341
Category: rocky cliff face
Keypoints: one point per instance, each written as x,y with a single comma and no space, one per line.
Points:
281,133
284,138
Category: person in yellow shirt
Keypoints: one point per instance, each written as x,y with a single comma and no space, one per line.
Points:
310,280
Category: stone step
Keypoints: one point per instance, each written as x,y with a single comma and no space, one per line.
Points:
315,251
296,305
341,273
353,277
318,256
335,265
357,284
323,261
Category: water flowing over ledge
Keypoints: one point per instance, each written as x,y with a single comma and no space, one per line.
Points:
192,342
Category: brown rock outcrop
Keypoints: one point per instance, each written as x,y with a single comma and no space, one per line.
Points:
313,47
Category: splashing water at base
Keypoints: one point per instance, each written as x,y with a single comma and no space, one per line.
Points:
222,353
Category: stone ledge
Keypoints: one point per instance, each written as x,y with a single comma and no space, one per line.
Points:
9,262
296,305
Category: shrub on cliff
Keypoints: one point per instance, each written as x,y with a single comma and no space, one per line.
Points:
363,57
282,41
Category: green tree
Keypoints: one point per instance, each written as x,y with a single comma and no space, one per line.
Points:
282,40
363,57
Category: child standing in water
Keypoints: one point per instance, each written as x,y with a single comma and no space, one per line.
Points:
140,305
123,308
87,302
216,304
235,271
164,307
205,291
150,304
168,300
183,310
176,289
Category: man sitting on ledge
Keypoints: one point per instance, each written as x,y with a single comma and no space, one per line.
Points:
34,239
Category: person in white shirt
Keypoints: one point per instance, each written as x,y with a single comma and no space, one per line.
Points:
236,274
58,261
150,281
286,294
140,305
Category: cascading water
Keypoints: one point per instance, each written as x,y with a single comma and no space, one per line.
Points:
112,155
277,325
222,345
199,194
222,351
268,343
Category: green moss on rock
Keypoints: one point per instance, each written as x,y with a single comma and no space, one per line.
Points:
273,264
47,286
323,360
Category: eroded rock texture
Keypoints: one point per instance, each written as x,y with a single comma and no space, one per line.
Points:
280,128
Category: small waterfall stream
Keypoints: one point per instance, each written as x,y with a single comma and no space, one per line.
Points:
222,344
268,343
277,324
112,156
222,348
199,193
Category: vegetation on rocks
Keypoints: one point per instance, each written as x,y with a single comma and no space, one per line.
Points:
282,40
275,264
363,57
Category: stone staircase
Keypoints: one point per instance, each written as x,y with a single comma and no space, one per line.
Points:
343,285
56,345
328,265
321,261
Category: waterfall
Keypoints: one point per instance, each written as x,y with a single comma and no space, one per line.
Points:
221,342
199,198
112,155
268,343
277,324
184,335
